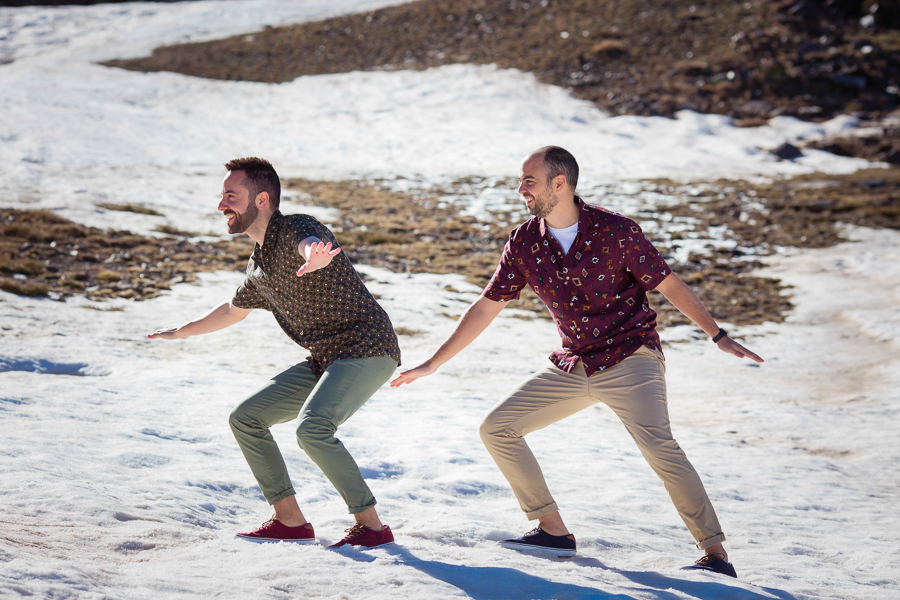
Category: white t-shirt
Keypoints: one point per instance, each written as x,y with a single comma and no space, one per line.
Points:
565,236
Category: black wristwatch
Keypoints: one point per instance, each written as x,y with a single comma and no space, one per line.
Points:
722,333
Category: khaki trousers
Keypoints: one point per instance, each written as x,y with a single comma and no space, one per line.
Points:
635,389
322,404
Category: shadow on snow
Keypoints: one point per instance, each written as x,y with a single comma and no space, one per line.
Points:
504,583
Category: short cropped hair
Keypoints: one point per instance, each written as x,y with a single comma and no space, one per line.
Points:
261,177
559,161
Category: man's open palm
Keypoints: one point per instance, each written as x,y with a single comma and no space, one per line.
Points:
320,256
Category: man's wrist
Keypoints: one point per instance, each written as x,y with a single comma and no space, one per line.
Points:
718,337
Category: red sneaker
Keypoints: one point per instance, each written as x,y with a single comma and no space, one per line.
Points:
362,536
274,530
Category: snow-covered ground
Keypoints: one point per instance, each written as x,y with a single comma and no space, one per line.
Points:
120,477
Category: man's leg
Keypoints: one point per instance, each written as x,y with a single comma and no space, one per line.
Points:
344,387
279,401
545,398
635,390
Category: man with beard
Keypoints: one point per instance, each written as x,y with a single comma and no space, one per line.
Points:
297,272
592,268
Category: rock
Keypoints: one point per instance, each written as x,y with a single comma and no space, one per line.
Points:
872,183
787,152
755,108
850,82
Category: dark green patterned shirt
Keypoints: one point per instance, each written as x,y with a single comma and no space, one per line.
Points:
329,311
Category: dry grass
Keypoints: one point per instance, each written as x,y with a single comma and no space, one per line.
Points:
800,212
24,288
135,208
422,232
60,258
407,331
169,230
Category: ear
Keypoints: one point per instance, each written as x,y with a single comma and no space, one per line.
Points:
262,200
559,183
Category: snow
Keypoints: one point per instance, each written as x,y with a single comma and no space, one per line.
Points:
122,480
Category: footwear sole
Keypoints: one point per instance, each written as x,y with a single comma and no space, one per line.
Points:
561,552
708,570
358,547
259,540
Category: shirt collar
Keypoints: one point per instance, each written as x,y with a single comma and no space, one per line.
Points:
271,237
584,218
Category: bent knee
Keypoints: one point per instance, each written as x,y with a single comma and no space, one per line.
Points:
314,428
239,419
491,428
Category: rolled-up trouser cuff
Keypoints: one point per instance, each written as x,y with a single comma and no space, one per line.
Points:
281,496
355,510
711,541
547,510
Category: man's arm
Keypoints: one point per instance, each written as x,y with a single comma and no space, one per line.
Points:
684,299
220,317
475,320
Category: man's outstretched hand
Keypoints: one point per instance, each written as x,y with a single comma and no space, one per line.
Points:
319,257
168,333
726,344
415,373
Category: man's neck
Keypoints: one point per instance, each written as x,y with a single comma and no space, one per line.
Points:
565,214
257,231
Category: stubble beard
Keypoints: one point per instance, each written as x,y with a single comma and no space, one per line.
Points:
544,204
243,221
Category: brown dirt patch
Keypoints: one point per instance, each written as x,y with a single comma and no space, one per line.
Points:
802,212
43,254
879,144
748,59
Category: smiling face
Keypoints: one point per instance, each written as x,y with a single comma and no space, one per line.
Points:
536,188
236,204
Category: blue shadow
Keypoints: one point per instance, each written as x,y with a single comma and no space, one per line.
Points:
504,583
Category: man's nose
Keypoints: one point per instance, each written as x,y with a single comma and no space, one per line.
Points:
521,188
222,205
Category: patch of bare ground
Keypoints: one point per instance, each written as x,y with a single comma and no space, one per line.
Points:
802,212
879,142
43,254
750,59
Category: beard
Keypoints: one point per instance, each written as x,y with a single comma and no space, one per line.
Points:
544,204
243,221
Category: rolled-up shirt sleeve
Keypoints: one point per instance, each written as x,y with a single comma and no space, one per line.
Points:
508,280
248,297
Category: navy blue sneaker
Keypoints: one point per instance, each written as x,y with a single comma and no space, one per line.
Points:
714,564
538,539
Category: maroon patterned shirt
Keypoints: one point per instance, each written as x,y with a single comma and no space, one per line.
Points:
596,293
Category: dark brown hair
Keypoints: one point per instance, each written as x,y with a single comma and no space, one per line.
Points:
559,161
261,177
